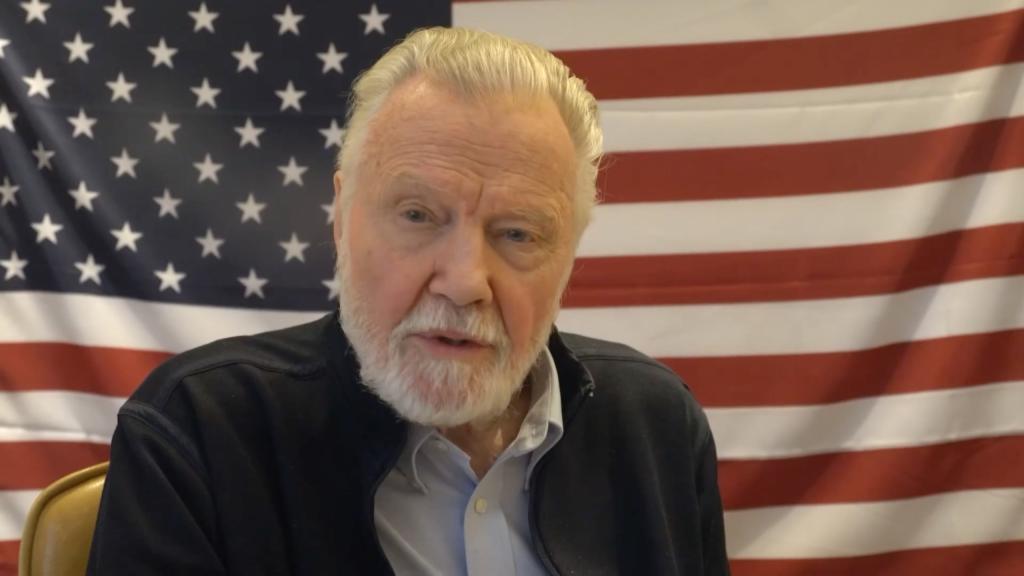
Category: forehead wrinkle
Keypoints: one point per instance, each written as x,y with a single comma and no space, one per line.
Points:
484,157
415,103
436,170
414,128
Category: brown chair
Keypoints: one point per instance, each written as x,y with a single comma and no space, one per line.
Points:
58,531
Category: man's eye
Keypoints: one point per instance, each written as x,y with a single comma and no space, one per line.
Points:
517,235
415,215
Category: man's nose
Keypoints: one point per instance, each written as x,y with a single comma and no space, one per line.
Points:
461,269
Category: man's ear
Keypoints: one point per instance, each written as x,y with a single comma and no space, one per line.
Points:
338,180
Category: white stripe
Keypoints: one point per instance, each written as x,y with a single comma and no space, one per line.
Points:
797,327
57,416
810,221
125,323
894,421
583,24
791,327
836,530
899,420
860,111
14,507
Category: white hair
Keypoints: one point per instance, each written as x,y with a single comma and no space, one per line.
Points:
480,64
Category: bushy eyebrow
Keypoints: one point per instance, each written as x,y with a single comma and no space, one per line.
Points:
534,213
537,208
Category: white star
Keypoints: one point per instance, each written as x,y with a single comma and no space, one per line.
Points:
89,270
43,156
168,204
289,21
208,169
162,53
290,97
293,248
374,20
3,42
332,59
7,118
164,129
126,237
38,84
121,89
206,94
15,267
35,10
119,14
78,49
7,192
247,58
333,134
204,18
170,278
46,229
210,243
292,172
82,123
329,209
251,209
332,286
83,196
250,134
253,284
125,164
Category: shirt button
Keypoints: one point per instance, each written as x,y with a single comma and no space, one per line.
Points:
480,505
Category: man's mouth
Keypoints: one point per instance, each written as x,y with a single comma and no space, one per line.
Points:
452,338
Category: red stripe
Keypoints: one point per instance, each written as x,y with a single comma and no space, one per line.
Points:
805,379
9,557
830,272
717,381
872,475
801,63
813,167
36,465
998,559
53,366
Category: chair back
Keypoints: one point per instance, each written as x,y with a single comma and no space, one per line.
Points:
60,524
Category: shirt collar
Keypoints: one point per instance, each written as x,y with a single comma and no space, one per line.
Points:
541,428
546,413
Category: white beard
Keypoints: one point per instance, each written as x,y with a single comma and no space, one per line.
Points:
431,391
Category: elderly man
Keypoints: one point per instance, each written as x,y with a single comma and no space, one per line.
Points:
438,423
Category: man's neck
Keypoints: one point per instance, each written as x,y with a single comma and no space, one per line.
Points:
483,443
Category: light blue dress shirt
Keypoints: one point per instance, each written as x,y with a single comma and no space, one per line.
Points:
435,517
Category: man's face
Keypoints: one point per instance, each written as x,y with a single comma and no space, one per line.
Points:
455,248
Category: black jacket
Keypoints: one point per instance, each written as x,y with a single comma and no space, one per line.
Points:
261,455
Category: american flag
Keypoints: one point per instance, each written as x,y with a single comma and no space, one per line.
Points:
813,211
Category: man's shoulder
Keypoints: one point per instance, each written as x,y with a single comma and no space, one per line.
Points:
627,381
618,359
292,353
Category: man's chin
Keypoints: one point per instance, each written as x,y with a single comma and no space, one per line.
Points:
447,402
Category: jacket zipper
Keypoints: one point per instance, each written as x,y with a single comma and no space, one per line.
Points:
538,543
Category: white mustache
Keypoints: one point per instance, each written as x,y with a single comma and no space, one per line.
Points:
484,326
